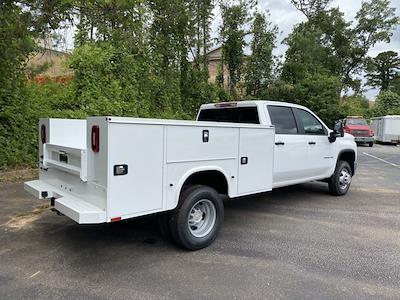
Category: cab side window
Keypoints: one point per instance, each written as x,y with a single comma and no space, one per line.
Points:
309,123
283,119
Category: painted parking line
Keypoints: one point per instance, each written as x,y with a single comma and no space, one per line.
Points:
382,160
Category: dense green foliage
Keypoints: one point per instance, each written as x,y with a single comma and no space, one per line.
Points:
326,53
258,73
388,103
232,33
383,70
16,42
148,58
355,105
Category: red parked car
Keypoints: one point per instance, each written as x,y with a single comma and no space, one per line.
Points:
359,128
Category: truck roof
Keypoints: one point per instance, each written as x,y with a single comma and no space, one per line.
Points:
387,117
130,120
355,117
249,103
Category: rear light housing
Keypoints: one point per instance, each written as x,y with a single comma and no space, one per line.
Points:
225,104
43,136
95,138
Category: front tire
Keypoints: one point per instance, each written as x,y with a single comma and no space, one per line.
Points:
371,144
340,181
195,223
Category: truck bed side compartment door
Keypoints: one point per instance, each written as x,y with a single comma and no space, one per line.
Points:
140,149
255,160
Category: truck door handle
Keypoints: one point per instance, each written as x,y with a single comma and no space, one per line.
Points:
279,143
312,143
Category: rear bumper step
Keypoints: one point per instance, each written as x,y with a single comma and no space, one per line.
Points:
76,208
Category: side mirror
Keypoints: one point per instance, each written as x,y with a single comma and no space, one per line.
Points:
338,131
338,128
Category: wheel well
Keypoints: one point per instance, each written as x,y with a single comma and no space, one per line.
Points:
214,179
350,157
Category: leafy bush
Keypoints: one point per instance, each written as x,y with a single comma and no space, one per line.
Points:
387,103
107,81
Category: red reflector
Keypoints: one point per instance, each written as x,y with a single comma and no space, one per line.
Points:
95,138
43,134
115,219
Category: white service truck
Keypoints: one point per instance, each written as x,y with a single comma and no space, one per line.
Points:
107,169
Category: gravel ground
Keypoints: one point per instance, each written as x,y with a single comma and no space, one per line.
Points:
292,243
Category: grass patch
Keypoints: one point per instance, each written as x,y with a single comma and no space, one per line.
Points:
18,175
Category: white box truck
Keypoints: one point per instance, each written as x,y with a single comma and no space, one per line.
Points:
386,129
107,169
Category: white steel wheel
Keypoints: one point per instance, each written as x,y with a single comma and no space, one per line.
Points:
197,219
340,181
201,218
344,178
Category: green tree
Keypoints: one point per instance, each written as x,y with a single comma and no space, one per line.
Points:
355,105
383,69
395,85
169,50
15,44
202,17
130,58
232,34
328,48
320,93
376,21
311,8
327,43
387,103
20,24
261,61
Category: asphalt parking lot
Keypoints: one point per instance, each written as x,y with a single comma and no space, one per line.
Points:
293,243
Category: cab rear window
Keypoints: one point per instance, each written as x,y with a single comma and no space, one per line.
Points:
230,115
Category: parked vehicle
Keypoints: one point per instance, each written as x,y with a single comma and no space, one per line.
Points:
107,169
359,128
387,129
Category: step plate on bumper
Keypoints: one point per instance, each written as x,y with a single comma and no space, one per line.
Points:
76,208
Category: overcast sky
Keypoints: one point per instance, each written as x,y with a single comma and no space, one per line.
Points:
285,16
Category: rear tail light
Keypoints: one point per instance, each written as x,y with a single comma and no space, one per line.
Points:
95,138
43,134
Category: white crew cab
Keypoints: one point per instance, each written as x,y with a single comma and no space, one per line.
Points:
107,169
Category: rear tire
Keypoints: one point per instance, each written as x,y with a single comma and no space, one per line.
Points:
196,221
371,144
340,181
